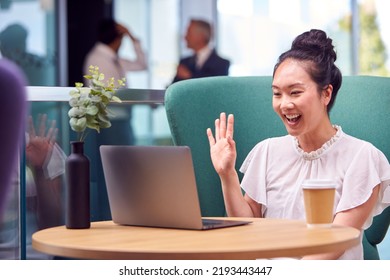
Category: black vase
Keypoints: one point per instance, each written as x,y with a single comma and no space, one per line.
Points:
77,191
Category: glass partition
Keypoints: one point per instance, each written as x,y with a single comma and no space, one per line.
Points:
41,188
9,223
27,37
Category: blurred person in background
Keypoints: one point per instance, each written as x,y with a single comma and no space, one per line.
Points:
105,55
205,62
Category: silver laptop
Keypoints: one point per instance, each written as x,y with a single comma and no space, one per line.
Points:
154,186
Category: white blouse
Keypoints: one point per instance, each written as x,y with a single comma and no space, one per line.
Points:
111,65
275,169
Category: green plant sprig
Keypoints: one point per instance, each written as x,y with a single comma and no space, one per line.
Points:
89,105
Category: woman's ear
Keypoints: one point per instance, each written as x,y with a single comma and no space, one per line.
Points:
327,94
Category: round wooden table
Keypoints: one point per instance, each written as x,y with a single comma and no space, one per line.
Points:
263,238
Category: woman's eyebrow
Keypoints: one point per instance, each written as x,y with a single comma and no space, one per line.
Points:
289,86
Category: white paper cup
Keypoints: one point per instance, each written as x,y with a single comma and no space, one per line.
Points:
318,197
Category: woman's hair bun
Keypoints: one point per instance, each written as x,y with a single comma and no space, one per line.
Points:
316,43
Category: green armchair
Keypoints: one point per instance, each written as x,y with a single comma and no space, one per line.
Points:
362,108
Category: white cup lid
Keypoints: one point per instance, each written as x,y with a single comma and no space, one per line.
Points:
319,184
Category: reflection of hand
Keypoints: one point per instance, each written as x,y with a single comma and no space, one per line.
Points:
183,72
40,145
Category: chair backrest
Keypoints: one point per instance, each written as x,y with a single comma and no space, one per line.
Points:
192,106
363,109
13,116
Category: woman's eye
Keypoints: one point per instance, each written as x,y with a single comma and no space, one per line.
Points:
295,92
276,93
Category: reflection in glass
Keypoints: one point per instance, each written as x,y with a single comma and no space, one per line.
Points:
27,37
45,166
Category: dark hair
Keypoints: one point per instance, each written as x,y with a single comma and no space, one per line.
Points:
317,50
204,27
13,37
107,31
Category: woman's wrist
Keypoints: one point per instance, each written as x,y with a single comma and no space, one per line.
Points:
229,176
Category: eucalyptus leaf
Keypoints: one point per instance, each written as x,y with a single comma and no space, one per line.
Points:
85,90
76,112
89,105
92,120
73,102
78,125
92,110
103,117
105,124
116,99
94,126
107,94
96,99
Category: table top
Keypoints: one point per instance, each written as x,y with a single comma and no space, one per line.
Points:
263,238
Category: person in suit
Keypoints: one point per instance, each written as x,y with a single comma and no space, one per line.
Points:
205,61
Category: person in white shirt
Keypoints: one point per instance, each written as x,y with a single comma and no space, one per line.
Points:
105,55
305,85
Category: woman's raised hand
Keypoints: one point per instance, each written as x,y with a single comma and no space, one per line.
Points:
222,146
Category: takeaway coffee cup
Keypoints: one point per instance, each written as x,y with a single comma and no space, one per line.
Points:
318,196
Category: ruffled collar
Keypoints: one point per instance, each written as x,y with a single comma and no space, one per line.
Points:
317,153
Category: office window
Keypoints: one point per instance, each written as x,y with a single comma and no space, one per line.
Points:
27,37
156,24
254,32
374,41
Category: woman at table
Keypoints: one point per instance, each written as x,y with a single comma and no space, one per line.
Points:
305,85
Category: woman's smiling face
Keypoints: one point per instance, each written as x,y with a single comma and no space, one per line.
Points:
297,101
